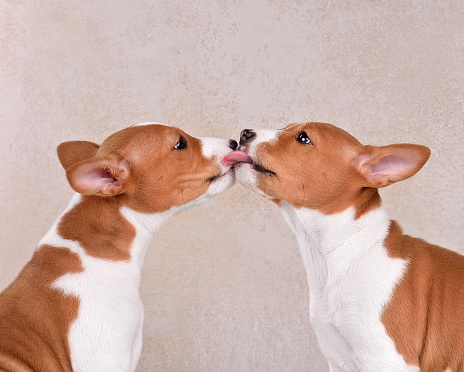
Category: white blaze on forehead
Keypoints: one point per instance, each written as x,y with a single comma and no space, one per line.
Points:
262,135
214,147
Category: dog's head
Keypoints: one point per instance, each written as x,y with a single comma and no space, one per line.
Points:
320,166
150,168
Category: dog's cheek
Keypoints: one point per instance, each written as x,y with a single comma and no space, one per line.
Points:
271,186
190,191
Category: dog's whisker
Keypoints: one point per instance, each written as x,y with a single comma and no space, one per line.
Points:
291,113
204,215
183,200
285,122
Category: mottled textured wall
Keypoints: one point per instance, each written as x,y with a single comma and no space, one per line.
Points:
224,286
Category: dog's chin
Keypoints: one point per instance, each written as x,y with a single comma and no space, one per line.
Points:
219,184
248,176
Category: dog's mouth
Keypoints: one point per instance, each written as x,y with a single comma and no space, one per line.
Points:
215,177
259,168
239,157
218,175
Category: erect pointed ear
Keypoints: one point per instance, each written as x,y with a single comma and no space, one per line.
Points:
107,176
382,166
72,152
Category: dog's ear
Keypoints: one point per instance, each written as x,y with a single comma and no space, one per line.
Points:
106,176
382,166
72,152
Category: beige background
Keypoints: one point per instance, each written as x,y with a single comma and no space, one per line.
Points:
223,285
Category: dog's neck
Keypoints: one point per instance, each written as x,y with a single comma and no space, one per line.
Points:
127,233
333,243
147,226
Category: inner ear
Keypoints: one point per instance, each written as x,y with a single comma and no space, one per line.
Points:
101,175
382,166
106,176
72,152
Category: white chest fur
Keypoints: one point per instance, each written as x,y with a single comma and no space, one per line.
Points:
351,278
107,334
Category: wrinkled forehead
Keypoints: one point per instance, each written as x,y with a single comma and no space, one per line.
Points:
142,139
320,132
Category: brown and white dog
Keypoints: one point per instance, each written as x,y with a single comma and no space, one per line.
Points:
380,300
75,306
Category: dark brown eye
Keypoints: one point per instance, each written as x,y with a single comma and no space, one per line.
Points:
303,138
181,143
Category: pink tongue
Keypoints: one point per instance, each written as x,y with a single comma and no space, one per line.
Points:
236,157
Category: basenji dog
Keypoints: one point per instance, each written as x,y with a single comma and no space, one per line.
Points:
380,300
76,306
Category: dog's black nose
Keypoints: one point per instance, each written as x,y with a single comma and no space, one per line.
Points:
233,144
246,135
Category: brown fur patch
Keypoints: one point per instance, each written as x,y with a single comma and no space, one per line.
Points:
317,175
74,151
34,318
161,177
97,224
425,315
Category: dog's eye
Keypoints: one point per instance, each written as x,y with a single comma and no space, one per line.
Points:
181,144
302,137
